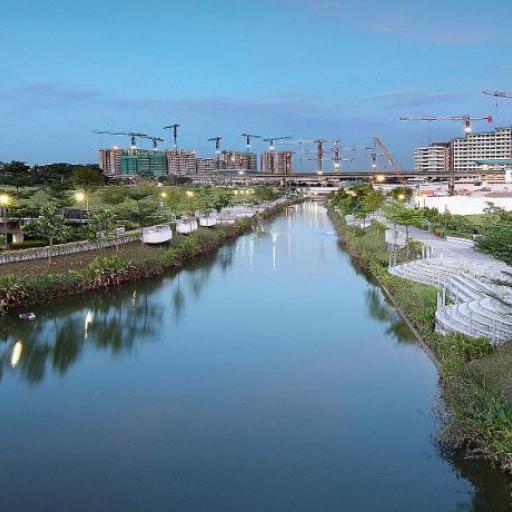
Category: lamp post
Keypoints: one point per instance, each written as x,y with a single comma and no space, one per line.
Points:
4,201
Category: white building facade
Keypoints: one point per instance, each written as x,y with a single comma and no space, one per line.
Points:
434,158
467,150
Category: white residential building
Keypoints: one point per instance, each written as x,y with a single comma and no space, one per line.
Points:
467,150
434,158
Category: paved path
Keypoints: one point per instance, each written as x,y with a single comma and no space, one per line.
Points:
483,263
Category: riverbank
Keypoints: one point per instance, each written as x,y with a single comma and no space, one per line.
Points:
34,282
479,417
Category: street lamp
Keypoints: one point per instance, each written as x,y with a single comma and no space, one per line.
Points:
4,201
189,194
81,197
401,197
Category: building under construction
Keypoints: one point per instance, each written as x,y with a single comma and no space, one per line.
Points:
110,161
143,162
277,162
181,162
239,160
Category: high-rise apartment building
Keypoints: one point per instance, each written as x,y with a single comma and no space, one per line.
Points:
239,160
181,162
277,162
143,162
109,160
206,165
434,158
465,151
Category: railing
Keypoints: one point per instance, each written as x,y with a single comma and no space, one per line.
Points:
65,249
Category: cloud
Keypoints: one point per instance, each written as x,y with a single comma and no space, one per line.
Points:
48,94
412,98
425,22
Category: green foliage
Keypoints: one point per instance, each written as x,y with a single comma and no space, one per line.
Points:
114,194
397,213
49,226
403,194
13,290
497,241
107,271
16,174
87,179
360,201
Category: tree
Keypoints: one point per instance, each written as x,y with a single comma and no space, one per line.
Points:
17,174
222,199
102,225
497,241
87,180
49,226
402,194
399,214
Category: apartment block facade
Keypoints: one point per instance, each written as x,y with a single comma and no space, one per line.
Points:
277,162
239,160
109,160
181,162
434,158
465,151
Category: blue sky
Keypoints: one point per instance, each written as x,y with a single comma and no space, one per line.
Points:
305,68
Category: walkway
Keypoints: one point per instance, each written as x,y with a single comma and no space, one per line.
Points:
470,301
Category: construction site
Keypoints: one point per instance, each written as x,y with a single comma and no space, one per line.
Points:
477,164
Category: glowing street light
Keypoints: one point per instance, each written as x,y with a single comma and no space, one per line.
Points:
4,201
401,197
189,194
80,197
380,178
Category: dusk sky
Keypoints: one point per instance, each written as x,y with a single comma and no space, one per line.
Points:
305,68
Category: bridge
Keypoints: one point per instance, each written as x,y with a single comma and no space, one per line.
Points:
340,178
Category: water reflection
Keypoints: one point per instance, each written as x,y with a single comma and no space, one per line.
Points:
382,311
113,321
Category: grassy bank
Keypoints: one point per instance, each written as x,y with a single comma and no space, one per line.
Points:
28,283
479,416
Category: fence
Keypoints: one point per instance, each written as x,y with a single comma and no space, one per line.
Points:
65,249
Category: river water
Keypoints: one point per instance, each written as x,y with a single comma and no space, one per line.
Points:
271,376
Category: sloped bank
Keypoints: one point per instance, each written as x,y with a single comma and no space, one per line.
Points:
21,290
478,419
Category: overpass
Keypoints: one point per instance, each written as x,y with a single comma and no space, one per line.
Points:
340,178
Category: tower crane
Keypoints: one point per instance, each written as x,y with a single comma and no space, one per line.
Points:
498,94
217,144
320,150
271,141
154,140
378,148
174,127
336,159
466,120
248,138
133,136
217,149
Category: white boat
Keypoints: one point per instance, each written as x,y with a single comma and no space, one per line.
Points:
156,234
186,226
208,221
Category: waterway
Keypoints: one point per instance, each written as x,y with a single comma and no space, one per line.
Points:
271,376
